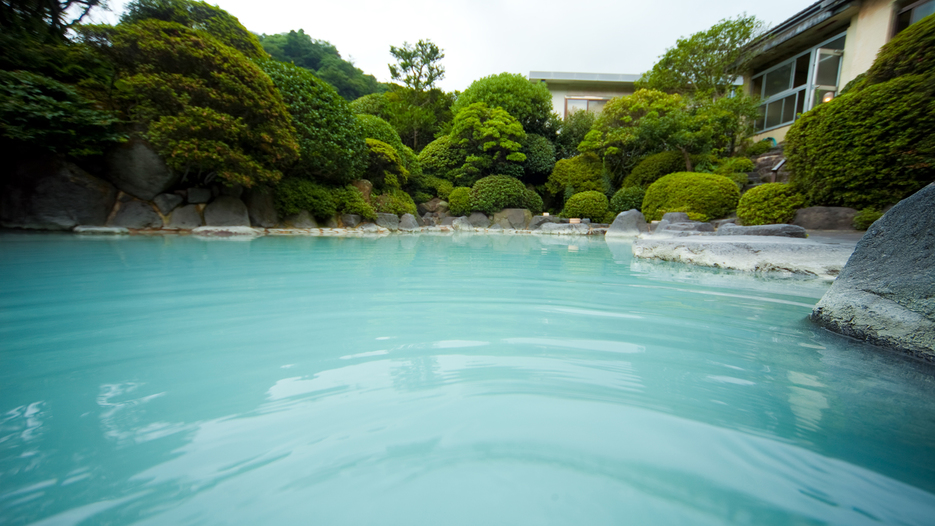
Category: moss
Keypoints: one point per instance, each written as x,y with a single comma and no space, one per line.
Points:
591,205
627,199
866,217
459,201
496,192
770,203
708,195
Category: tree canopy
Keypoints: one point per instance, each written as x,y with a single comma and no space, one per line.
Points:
530,104
490,139
417,65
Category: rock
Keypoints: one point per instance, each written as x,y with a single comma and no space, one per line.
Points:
388,221
301,220
495,226
463,224
260,207
479,220
369,228
167,202
762,230
428,206
138,170
563,229
185,218
675,217
226,231
447,221
408,223
235,190
53,195
365,187
538,221
350,220
332,222
628,224
100,230
136,214
517,218
886,293
419,220
684,226
227,211
198,195
718,223
429,219
825,218
442,207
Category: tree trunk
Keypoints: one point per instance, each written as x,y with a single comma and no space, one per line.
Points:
688,160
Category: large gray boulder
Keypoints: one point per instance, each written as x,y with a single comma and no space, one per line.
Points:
388,221
227,211
684,226
730,229
563,229
52,195
350,220
167,202
408,223
138,170
197,196
516,218
537,221
185,218
136,214
886,293
301,220
479,220
628,224
825,218
260,207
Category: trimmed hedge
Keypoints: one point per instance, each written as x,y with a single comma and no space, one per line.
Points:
459,201
707,196
440,157
294,195
627,199
540,157
533,201
496,192
910,52
768,204
394,201
582,173
590,204
650,169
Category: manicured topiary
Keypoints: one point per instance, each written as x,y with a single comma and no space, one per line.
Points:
581,174
496,192
758,148
590,204
627,199
384,168
529,103
540,158
708,195
769,204
650,169
533,201
373,127
866,217
440,157
331,142
349,200
295,194
490,138
910,52
394,201
459,201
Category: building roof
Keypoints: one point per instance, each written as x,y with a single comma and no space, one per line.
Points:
817,14
582,77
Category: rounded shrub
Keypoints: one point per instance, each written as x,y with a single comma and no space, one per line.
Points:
582,173
529,103
349,200
533,201
373,127
590,204
384,168
627,199
707,196
758,148
394,201
733,165
440,157
866,217
294,195
910,52
650,169
459,201
540,158
496,192
768,204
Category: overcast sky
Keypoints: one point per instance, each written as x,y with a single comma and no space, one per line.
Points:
485,37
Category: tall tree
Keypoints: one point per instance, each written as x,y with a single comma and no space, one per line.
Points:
417,66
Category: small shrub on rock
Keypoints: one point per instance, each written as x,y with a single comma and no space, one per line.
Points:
394,201
627,199
349,200
709,195
294,195
591,205
866,217
496,192
459,201
533,201
768,204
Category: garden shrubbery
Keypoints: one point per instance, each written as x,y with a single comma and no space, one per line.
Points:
590,204
384,168
459,201
770,203
496,192
440,157
349,200
758,148
866,217
707,196
533,201
394,201
582,173
540,158
294,195
629,198
650,169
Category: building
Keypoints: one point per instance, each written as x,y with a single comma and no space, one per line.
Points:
583,91
810,57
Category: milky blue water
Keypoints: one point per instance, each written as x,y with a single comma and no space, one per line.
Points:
438,380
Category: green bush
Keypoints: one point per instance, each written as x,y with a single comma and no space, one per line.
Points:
394,201
331,143
866,217
758,148
575,126
496,192
590,204
540,158
440,187
384,168
910,52
630,198
422,197
349,200
533,201
294,195
733,165
440,157
740,179
459,201
373,127
768,204
490,138
582,173
530,104
650,169
707,195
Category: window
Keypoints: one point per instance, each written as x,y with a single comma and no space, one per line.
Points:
912,13
798,84
593,105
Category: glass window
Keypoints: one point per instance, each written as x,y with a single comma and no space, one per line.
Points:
788,108
778,80
913,13
596,106
756,89
801,70
573,105
828,66
774,113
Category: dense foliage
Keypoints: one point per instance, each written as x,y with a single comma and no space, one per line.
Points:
294,195
417,116
528,103
384,167
459,201
322,59
490,139
911,52
540,158
394,201
533,201
650,169
196,15
758,148
590,204
331,143
373,127
732,165
496,192
706,196
768,204
439,157
576,125
208,110
578,174
628,198
866,217
349,200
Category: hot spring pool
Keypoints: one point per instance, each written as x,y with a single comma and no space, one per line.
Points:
438,380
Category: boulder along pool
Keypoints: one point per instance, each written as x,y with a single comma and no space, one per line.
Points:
438,380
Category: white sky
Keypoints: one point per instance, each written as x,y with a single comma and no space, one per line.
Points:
484,37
